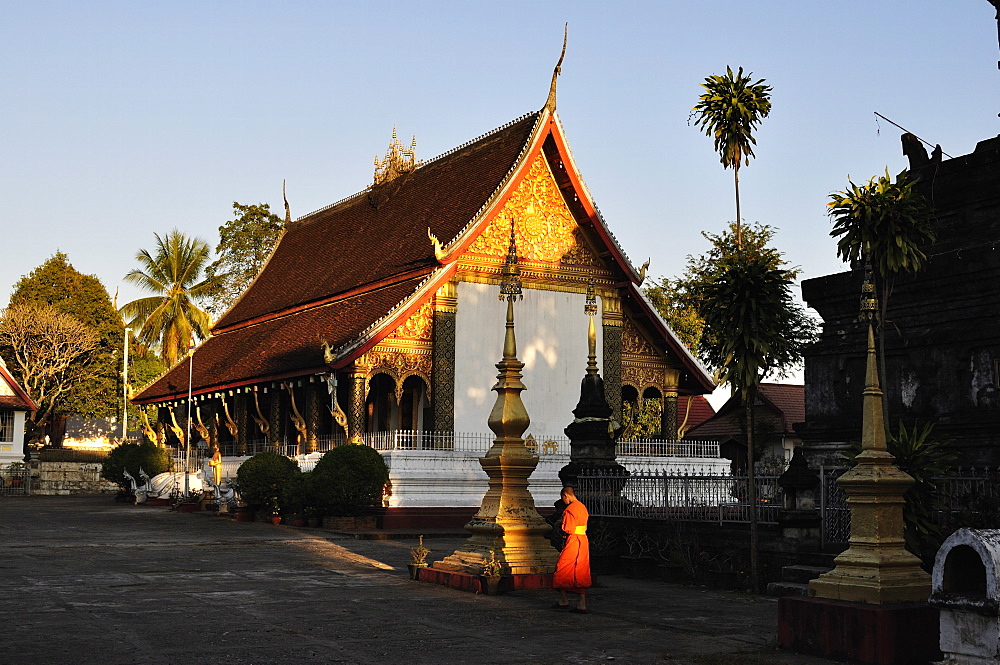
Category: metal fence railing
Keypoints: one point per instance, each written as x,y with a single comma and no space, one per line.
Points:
15,479
835,528
679,495
664,448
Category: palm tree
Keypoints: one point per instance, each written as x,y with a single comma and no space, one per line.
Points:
886,223
170,318
729,111
753,327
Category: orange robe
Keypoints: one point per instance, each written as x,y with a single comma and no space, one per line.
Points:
573,568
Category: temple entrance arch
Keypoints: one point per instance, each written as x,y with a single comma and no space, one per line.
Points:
414,404
383,410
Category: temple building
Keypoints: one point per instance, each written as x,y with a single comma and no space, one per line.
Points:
376,319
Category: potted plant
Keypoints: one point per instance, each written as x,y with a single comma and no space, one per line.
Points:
678,551
275,511
491,574
419,554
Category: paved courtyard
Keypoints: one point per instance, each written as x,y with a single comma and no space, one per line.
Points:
88,581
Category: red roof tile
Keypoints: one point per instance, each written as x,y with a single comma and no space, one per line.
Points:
701,410
782,404
353,243
285,346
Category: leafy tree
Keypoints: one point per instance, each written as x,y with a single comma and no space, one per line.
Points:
677,309
729,110
642,421
753,325
48,352
170,319
57,283
245,243
887,223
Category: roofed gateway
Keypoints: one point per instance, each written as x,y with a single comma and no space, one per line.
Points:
379,314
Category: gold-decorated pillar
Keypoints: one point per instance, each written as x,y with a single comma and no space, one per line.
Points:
612,321
668,414
358,378
875,568
276,424
313,394
443,364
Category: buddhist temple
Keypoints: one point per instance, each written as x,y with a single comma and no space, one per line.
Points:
376,319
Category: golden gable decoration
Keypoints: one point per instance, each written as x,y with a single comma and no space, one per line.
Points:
544,227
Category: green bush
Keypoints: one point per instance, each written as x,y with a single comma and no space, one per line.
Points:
263,478
297,494
132,457
348,479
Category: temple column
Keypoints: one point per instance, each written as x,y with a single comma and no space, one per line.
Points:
612,321
312,398
275,423
443,363
358,378
668,414
240,418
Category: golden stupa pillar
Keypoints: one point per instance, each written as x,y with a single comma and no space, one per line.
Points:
507,522
876,568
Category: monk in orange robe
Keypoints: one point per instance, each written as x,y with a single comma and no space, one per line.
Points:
573,568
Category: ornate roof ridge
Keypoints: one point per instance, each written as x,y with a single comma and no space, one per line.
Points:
481,137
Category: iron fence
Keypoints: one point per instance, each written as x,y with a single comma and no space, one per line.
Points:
679,495
835,527
665,448
969,498
15,480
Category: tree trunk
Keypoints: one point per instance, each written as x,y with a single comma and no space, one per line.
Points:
739,221
752,496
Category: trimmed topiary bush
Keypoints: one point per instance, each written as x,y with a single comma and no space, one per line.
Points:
263,477
349,479
132,457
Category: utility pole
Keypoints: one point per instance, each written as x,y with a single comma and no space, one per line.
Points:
125,388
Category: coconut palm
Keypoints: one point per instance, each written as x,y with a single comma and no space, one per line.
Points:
730,109
170,318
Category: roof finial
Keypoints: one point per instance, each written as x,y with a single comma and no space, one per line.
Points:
550,103
288,211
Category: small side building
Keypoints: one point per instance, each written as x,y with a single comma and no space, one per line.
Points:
778,408
15,408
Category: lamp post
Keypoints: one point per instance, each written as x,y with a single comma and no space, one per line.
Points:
125,387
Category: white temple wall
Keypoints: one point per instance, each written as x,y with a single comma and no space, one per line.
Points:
12,445
551,330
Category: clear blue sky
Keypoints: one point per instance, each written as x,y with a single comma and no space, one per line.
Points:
124,119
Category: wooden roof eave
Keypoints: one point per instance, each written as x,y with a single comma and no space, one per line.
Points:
16,387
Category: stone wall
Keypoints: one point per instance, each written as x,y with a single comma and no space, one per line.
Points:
50,478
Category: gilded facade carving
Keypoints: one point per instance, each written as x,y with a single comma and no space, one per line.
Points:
641,376
544,227
419,327
399,365
633,343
